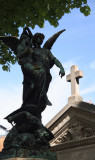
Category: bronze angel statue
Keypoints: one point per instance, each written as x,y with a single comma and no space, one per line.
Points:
36,63
28,131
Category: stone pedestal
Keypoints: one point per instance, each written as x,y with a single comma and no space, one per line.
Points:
26,154
81,153
26,159
83,149
74,98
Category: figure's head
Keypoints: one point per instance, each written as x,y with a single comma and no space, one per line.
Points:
38,39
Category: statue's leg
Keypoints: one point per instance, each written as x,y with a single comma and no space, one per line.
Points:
41,84
48,80
25,93
28,93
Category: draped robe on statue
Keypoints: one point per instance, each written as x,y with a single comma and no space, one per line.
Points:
36,64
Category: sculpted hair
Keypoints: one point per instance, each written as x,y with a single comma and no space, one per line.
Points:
36,36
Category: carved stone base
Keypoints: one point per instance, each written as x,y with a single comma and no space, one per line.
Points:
27,154
74,98
81,153
26,159
82,149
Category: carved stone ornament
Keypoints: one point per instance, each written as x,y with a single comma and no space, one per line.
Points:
65,120
76,131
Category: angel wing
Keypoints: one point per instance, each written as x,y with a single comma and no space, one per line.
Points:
49,43
11,41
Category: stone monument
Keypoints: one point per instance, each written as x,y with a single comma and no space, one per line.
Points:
74,126
28,138
74,79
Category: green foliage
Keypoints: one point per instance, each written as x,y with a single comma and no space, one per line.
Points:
18,13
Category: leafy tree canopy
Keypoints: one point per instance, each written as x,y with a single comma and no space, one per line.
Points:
18,13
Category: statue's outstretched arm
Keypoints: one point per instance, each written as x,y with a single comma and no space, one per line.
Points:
55,61
30,33
58,64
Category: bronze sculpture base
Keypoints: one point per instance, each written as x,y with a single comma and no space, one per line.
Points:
25,159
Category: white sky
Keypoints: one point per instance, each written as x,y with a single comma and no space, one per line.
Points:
76,46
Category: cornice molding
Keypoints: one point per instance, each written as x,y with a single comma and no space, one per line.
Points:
74,144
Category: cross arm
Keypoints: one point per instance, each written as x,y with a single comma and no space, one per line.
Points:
78,74
68,78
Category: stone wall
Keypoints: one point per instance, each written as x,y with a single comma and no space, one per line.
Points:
83,149
81,153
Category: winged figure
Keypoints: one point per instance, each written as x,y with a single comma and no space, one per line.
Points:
36,63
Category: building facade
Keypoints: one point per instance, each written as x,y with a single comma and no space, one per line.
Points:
74,126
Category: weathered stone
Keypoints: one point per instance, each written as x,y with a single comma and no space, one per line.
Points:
74,98
26,159
74,79
74,126
81,153
74,131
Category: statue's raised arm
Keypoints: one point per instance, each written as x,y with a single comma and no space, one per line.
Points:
18,45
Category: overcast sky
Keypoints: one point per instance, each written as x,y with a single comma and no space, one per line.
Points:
76,46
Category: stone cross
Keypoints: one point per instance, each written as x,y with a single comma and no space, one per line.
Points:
74,79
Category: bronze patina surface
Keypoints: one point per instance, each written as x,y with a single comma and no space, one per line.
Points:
28,137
